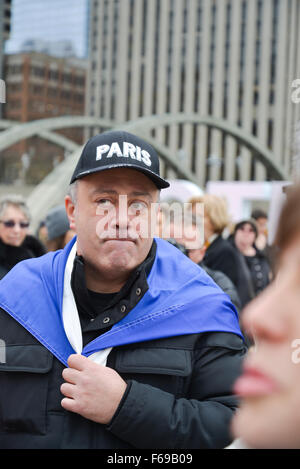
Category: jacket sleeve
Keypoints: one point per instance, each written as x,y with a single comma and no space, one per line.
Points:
149,417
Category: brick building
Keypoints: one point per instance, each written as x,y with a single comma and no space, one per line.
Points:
40,86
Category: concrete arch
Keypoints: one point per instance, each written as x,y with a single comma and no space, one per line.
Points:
142,126
263,154
18,131
53,188
52,137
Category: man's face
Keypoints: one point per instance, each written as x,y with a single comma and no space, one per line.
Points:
112,219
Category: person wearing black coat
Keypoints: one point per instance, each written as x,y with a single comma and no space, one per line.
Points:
16,244
220,254
11,255
257,272
116,341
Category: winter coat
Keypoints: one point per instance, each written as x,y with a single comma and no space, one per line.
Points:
255,274
179,394
220,255
11,255
179,360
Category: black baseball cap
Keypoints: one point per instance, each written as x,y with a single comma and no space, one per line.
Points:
119,149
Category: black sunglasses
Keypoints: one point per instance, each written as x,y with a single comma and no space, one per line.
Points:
12,223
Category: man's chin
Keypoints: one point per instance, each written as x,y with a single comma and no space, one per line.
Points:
117,248
120,255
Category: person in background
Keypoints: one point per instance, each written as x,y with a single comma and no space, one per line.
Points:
126,342
256,265
195,250
261,219
261,242
58,229
220,254
16,244
269,414
41,232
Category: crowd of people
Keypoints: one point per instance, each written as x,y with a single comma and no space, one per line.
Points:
236,257
165,321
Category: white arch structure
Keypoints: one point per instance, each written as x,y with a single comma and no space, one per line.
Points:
52,189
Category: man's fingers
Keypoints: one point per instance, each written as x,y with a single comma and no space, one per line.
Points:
71,375
68,390
68,404
78,362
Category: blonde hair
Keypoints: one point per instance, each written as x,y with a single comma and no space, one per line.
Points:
215,208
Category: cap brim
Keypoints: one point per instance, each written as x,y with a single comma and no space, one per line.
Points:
157,180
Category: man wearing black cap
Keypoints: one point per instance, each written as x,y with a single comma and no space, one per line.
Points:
118,340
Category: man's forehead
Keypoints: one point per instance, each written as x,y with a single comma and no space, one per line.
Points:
119,179
103,190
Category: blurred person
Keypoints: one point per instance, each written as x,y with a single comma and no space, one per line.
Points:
189,240
261,219
16,244
220,254
261,242
169,223
269,415
58,228
257,269
125,342
41,232
169,215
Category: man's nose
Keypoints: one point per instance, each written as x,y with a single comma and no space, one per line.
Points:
122,213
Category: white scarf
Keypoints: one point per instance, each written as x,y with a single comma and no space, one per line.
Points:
71,318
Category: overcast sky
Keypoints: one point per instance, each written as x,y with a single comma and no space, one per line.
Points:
49,20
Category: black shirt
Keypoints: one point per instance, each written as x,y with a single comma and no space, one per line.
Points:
98,312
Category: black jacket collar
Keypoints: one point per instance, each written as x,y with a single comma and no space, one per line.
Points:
94,308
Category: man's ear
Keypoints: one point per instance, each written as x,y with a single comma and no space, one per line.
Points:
70,210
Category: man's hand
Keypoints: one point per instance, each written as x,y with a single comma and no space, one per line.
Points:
91,390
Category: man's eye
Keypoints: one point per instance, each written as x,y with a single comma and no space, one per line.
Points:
104,202
104,206
137,207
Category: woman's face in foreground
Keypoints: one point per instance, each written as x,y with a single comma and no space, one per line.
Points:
269,415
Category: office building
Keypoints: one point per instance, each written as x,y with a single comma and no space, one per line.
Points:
233,60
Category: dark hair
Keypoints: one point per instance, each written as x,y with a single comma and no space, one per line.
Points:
242,223
258,213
